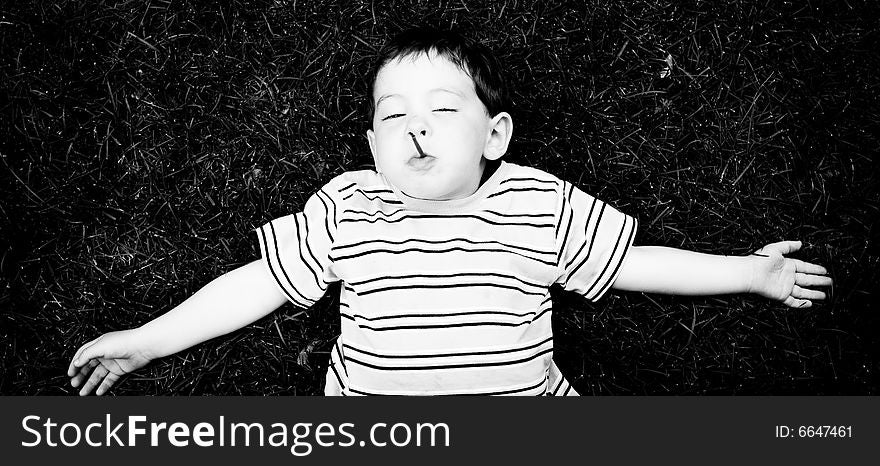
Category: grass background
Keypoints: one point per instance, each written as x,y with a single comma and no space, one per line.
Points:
140,142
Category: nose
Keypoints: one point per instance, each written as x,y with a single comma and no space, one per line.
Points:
417,126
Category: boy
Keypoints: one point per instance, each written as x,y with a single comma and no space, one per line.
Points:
446,253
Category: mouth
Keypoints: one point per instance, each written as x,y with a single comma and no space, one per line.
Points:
421,162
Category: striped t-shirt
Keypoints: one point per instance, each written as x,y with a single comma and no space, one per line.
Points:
446,297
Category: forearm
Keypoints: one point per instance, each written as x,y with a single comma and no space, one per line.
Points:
227,303
657,269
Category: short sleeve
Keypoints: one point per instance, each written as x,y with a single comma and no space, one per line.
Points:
593,240
295,249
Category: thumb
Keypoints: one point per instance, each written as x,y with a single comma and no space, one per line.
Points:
101,348
78,360
784,247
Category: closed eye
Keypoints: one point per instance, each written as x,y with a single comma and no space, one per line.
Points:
394,115
444,109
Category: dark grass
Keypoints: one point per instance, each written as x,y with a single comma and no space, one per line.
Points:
141,143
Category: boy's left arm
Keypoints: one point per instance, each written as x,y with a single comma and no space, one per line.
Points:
767,272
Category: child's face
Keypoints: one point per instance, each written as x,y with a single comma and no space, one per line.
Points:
430,98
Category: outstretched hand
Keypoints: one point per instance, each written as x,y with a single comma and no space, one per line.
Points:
788,280
107,358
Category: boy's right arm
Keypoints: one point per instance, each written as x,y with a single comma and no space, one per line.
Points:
227,303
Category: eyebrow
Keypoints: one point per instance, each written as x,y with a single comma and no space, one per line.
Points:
385,97
449,91
436,89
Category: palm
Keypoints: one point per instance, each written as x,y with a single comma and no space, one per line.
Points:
784,279
125,365
781,273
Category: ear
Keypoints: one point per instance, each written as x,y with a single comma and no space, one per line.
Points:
371,139
500,131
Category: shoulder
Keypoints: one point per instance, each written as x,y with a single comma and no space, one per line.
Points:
343,184
565,194
538,177
529,173
360,190
522,174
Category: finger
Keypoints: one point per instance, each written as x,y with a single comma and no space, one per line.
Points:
804,293
76,362
804,279
71,368
107,383
801,266
784,247
97,376
82,348
83,372
797,303
96,350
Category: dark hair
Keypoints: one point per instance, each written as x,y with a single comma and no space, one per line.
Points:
471,57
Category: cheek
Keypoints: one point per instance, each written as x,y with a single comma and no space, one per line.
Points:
470,130
386,145
469,139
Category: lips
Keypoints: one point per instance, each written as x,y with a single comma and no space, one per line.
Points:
421,163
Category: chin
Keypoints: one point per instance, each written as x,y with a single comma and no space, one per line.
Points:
431,185
423,191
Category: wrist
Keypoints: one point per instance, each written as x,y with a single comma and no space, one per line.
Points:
143,343
753,279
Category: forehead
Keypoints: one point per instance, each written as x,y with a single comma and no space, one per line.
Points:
422,73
